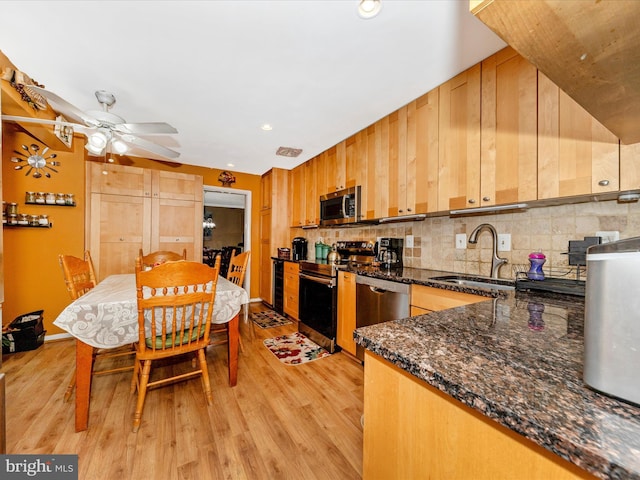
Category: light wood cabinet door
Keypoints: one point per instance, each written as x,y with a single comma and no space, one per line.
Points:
459,141
265,190
119,180
397,158
291,289
376,202
508,159
422,154
629,167
310,193
321,174
176,186
120,227
298,196
351,161
346,311
577,155
266,275
356,153
177,225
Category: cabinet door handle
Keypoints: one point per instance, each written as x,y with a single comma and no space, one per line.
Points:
603,183
471,200
408,209
485,199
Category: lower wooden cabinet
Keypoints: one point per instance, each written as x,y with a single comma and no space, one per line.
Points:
346,311
291,289
430,299
412,430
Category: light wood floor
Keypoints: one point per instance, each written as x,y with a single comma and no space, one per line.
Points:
285,422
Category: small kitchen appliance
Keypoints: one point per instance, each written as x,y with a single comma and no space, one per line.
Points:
611,323
341,207
390,252
299,249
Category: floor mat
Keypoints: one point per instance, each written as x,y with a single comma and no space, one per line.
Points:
295,349
269,319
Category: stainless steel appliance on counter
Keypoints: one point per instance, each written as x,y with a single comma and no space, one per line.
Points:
612,319
318,295
379,301
341,207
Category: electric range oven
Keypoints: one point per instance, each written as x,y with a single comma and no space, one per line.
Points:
318,293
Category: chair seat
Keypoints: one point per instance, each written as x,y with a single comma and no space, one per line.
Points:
169,343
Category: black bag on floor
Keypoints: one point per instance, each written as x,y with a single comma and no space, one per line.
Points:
26,332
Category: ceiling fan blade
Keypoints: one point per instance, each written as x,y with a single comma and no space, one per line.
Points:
42,121
137,143
145,128
65,108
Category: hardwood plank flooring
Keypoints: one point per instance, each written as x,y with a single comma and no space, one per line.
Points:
285,422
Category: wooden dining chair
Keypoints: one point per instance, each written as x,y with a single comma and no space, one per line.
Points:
235,274
80,277
175,305
156,258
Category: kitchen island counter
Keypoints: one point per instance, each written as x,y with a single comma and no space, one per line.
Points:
516,359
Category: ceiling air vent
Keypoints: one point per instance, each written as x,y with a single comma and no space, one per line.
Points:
288,152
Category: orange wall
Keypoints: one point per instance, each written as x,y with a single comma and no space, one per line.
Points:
33,279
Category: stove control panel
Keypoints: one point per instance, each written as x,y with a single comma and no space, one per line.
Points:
356,247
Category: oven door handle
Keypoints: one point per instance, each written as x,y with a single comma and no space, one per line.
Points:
328,281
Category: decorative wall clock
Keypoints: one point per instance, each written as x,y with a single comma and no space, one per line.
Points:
35,161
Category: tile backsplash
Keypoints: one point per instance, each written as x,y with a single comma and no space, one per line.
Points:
546,229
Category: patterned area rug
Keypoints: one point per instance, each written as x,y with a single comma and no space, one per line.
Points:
269,319
295,349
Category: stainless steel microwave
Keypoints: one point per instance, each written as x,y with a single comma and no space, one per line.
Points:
340,207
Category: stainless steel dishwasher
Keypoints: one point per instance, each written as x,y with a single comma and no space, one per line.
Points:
379,301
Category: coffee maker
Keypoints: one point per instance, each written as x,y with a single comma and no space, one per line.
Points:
390,252
299,249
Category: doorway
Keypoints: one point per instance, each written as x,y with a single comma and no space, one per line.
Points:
230,210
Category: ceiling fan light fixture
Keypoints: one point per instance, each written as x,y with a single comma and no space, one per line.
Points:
119,146
369,8
98,140
92,149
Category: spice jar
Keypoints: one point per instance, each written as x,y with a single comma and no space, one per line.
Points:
40,197
69,199
30,197
13,219
43,220
12,209
34,220
60,200
23,219
50,198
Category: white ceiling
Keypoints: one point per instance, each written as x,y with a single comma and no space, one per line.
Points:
218,70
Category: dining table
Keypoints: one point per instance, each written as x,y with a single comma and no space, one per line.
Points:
107,317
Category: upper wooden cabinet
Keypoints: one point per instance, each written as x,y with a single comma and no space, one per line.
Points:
422,154
589,49
629,167
508,155
459,141
297,196
577,155
311,202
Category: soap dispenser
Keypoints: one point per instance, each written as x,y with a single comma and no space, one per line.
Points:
536,260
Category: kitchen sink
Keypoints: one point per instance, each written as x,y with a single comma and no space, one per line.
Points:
478,282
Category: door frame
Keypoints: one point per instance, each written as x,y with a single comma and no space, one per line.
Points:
247,222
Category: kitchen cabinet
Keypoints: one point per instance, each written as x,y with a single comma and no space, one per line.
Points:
132,208
265,190
629,167
589,49
412,430
375,201
397,169
274,227
312,199
508,155
291,288
297,195
356,159
459,141
431,299
577,155
346,311
422,155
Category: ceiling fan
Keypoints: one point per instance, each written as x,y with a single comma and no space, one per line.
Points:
105,131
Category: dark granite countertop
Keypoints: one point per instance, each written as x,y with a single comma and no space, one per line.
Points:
517,359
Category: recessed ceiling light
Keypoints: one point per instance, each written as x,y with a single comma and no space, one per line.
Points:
266,127
369,8
230,165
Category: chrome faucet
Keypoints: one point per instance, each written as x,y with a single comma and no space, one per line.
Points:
496,261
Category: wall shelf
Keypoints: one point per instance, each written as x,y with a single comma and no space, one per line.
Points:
6,225
50,204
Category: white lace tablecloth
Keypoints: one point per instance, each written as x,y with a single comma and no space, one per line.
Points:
107,316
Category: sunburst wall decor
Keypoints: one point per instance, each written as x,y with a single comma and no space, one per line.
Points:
35,161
